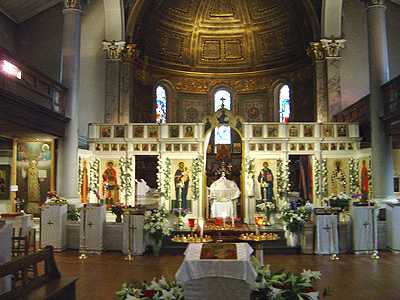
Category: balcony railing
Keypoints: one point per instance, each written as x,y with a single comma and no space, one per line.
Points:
32,84
391,107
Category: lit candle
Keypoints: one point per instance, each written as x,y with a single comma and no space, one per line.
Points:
223,217
201,223
233,221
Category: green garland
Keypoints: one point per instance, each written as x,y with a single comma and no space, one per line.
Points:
80,175
354,176
164,177
126,167
369,177
317,176
282,176
324,178
197,168
94,174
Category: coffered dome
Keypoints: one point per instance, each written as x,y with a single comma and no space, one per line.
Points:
223,35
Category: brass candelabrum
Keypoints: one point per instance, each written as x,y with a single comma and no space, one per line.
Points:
332,241
264,186
84,209
375,254
130,232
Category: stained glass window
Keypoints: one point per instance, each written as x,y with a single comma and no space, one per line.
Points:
161,104
222,133
284,103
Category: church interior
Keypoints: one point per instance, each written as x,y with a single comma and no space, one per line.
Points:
201,140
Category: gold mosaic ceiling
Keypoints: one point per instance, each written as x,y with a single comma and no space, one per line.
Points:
223,35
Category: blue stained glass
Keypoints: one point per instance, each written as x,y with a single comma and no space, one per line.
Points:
161,105
284,103
222,133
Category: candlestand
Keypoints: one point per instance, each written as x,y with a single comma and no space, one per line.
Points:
332,240
374,254
179,222
84,209
130,232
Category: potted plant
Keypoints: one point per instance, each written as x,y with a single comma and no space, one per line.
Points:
118,209
157,224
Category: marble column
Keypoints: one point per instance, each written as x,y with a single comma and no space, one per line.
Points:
333,79
113,50
382,160
67,172
315,51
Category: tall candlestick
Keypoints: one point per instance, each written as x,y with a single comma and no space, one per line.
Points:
233,221
223,217
201,223
257,230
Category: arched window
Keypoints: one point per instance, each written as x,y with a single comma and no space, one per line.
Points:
161,105
284,103
222,133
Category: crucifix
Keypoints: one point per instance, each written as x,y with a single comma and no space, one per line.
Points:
327,228
366,224
50,223
90,224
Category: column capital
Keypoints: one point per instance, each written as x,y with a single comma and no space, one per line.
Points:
315,51
75,4
130,53
113,49
369,3
332,47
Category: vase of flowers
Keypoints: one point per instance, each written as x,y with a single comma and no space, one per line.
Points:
157,224
267,208
118,209
340,202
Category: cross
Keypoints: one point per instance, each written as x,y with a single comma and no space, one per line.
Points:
90,224
133,227
327,228
50,223
366,224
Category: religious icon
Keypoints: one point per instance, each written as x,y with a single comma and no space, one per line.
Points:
114,147
110,186
294,130
266,180
302,147
308,130
106,147
21,154
252,147
272,130
257,131
174,131
237,147
269,147
342,146
194,147
364,180
333,147
239,125
310,147
261,147
5,182
293,147
324,146
105,131
350,146
185,147
84,182
119,131
153,147
207,125
327,130
98,147
338,178
181,180
45,155
168,147
138,131
122,147
278,147
153,131
31,174
145,147
341,130
177,147
188,131
137,147
223,151
253,112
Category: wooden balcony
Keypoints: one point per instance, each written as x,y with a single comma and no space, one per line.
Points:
32,99
391,117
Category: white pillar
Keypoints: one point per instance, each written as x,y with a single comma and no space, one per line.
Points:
382,160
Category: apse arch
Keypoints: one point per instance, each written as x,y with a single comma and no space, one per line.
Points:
114,19
331,19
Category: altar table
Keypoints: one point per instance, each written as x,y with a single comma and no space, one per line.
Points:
220,207
217,278
326,233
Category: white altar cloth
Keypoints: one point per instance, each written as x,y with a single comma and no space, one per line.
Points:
219,207
194,268
5,254
362,228
327,225
224,188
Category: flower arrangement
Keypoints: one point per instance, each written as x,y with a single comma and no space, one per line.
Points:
197,167
340,200
184,211
74,214
282,178
293,216
354,177
156,222
164,177
125,165
284,285
94,175
317,176
324,178
52,197
118,208
80,174
162,289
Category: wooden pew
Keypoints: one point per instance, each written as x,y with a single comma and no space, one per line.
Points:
49,284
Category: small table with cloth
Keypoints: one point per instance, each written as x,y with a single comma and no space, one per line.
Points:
223,189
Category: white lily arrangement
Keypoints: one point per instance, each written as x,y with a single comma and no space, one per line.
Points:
126,167
354,177
324,178
80,175
282,178
94,174
197,167
164,177
266,206
317,176
293,216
